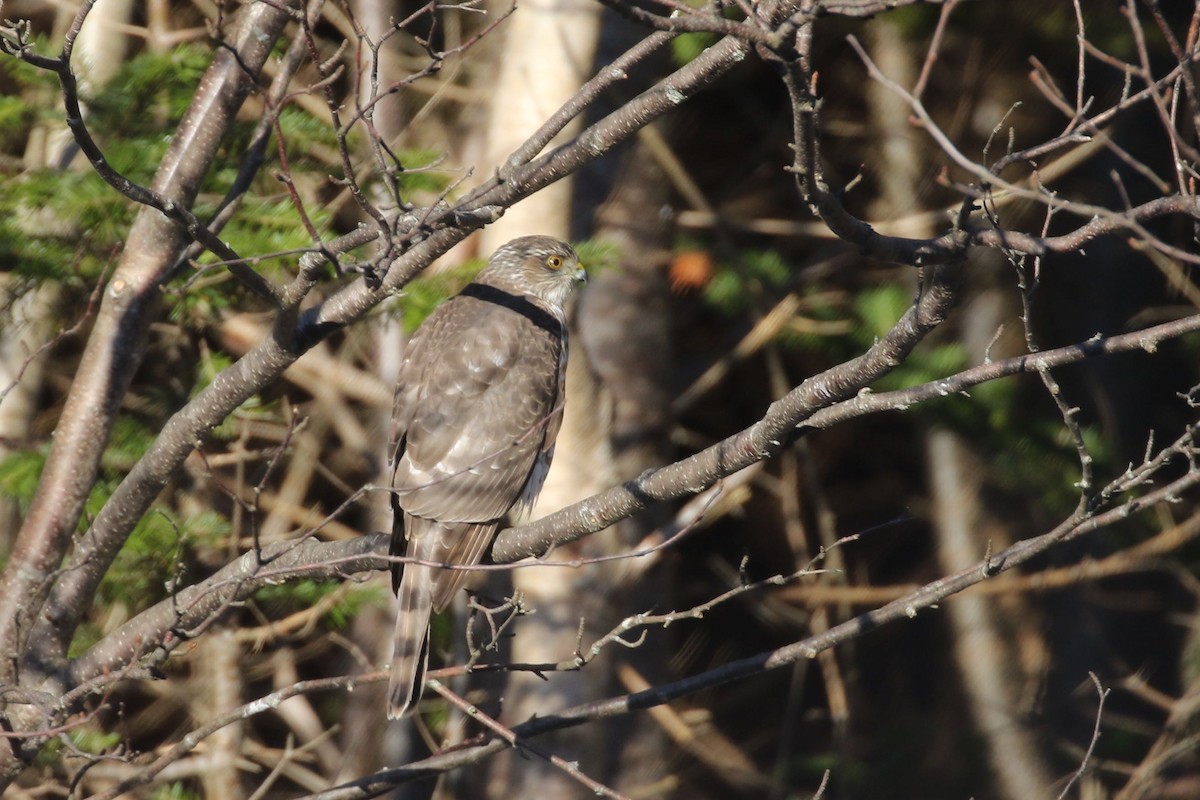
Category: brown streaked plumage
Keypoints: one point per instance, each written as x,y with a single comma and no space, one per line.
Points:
478,406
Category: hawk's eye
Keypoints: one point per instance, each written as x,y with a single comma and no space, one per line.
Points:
554,262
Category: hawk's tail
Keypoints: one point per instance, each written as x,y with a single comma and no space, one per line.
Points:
410,642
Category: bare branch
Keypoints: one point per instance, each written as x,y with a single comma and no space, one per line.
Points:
761,441
115,346
510,736
1102,693
683,477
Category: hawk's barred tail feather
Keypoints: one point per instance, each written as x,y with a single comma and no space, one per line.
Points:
410,642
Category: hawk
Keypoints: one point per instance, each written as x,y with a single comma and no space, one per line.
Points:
478,406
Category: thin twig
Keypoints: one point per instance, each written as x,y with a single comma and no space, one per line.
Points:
571,768
1102,694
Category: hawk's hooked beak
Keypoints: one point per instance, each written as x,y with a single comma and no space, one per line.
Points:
580,275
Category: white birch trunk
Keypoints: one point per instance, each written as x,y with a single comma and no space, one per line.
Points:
547,52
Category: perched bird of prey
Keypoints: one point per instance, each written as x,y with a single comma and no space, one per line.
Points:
478,406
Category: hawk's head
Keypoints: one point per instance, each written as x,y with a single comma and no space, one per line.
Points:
540,267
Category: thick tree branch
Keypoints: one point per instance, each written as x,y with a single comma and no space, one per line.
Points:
756,443
93,553
153,633
705,468
117,341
